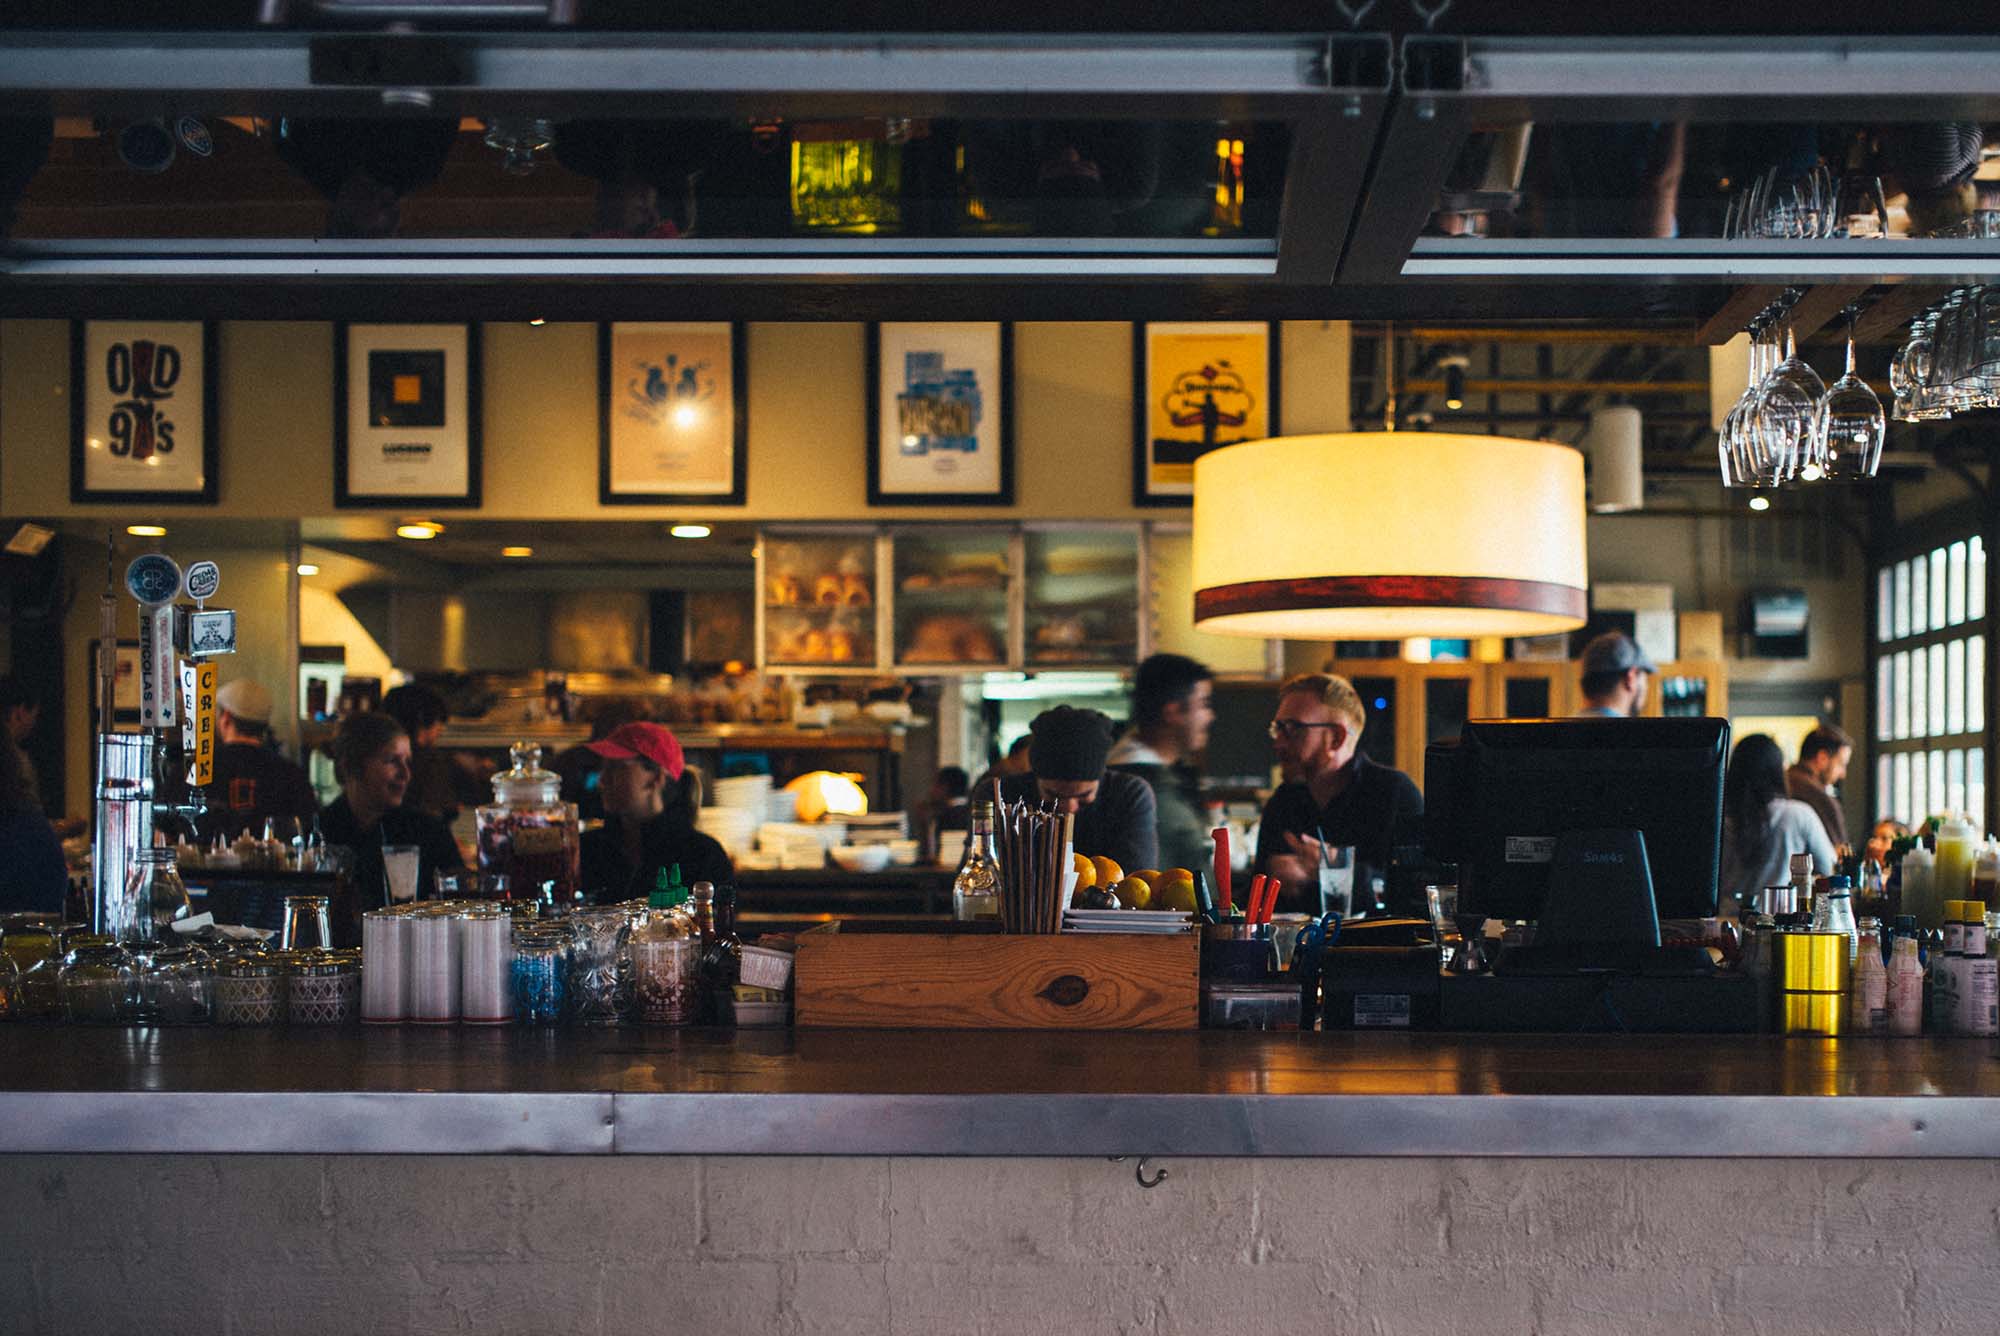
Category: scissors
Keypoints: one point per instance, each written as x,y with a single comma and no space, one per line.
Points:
1316,936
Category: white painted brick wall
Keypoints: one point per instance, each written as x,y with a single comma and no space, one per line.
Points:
264,1244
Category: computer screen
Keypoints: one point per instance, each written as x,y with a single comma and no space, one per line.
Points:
1497,799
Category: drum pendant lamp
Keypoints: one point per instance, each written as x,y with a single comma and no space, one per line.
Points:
1389,534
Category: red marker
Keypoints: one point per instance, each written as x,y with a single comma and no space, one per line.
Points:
1223,905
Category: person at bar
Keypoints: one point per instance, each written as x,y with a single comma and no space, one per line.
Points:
423,714
1761,827
1822,763
1615,673
1172,710
252,781
649,819
20,711
371,759
1115,814
1332,790
33,875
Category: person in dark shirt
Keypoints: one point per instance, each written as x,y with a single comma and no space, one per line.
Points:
371,758
1115,814
1330,787
423,714
33,875
1172,710
252,782
1823,758
20,711
649,821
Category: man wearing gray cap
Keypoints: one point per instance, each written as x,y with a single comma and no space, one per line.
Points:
252,781
1615,670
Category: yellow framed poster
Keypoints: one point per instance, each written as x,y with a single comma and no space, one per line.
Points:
1196,388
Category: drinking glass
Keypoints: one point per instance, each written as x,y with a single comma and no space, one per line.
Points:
1810,459
1336,880
308,924
399,872
1852,424
1859,209
449,886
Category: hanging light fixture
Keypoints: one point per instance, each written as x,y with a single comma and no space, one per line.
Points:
1615,441
1388,535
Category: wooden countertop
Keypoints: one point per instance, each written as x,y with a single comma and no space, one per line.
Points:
466,1090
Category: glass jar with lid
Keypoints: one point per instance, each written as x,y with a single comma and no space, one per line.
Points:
176,985
249,989
322,987
528,834
99,982
540,972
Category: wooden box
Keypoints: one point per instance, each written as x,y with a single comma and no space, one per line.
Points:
1701,635
882,977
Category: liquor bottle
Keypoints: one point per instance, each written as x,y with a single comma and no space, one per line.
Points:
975,892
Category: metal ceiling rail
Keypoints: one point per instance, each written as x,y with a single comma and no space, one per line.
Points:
1846,260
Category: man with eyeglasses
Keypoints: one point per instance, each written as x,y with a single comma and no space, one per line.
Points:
1331,788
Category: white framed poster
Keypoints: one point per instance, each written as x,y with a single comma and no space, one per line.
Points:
673,413
406,415
142,408
940,414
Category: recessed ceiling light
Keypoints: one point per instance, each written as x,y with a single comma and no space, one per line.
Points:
420,531
1760,503
147,530
307,568
690,531
517,552
538,322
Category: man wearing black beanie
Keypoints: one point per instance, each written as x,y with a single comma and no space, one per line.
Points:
1116,817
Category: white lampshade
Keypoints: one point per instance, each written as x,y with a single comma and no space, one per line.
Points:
1386,535
1615,442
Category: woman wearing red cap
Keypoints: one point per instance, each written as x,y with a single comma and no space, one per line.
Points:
648,819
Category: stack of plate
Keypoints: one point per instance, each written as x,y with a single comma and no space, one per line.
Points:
731,827
1125,920
951,847
749,793
877,827
800,844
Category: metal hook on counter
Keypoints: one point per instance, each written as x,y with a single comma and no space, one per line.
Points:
1139,1172
1354,14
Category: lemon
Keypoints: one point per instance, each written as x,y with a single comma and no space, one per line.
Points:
1108,873
1176,896
1135,892
1086,873
1151,876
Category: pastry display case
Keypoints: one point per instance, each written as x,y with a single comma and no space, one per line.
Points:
1081,605
951,605
818,599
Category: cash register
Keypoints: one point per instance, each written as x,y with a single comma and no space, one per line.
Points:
1593,830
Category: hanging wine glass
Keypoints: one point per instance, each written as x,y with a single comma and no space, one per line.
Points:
1785,411
1851,424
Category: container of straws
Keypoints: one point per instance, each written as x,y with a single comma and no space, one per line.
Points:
1035,866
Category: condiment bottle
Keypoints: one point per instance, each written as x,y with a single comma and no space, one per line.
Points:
1869,999
1944,970
1833,911
666,954
1985,886
1919,891
1906,989
1979,977
1955,846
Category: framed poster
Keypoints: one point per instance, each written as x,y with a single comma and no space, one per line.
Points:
405,415
940,414
1195,388
142,411
673,419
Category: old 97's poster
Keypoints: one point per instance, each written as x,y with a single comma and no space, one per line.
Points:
142,410
1200,387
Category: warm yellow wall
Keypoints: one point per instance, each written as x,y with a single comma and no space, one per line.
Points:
1072,400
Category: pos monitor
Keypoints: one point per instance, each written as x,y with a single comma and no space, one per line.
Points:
1519,804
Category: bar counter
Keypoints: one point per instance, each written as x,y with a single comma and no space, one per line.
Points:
407,1090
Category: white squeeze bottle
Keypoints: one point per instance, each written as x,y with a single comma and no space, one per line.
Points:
1869,1000
1906,989
1956,843
1919,888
